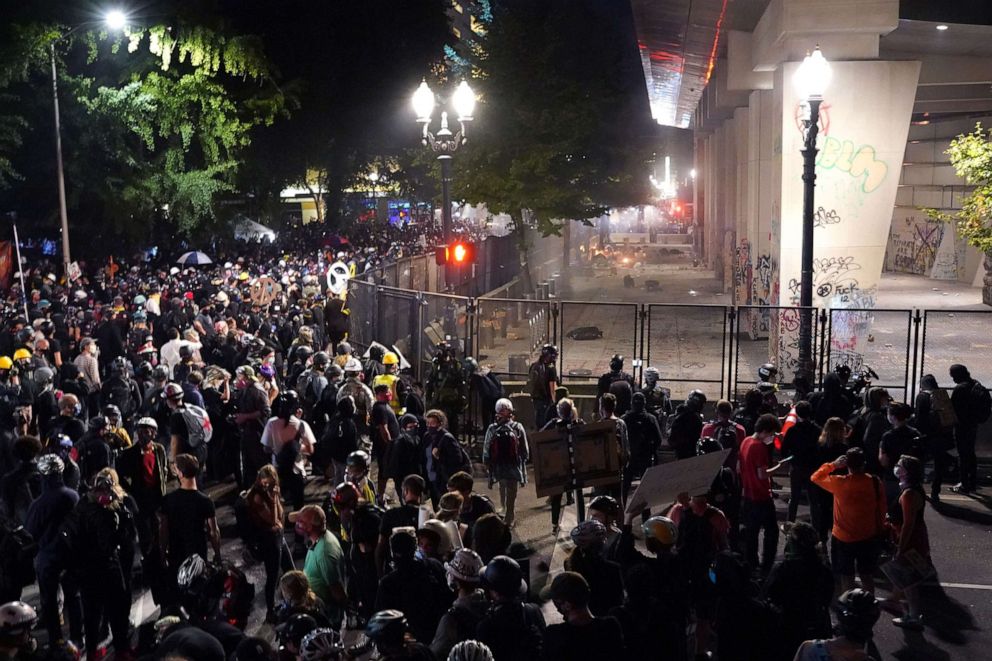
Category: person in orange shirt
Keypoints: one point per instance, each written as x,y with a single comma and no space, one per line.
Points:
859,515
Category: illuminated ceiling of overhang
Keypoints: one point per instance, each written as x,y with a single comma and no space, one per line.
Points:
679,43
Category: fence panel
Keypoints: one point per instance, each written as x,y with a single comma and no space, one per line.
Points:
957,336
443,317
688,345
399,320
508,331
879,339
591,333
362,305
764,334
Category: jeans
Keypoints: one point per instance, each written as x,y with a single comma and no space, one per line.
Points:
508,498
755,517
964,437
275,557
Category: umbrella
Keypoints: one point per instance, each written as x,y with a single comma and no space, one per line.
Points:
194,259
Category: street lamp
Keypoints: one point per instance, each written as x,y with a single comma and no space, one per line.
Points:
811,80
114,20
444,143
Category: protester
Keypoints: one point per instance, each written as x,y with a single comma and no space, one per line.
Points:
505,453
582,634
757,507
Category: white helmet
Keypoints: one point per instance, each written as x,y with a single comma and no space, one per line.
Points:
147,422
192,568
17,617
465,566
352,365
321,645
470,650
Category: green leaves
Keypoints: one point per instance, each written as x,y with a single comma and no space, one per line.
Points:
971,157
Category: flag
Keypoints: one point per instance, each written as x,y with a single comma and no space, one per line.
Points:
790,421
6,264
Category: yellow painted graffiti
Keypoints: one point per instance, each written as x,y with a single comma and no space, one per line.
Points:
858,162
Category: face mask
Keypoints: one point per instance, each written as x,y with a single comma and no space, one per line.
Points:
77,409
899,472
105,499
768,440
452,583
419,554
712,576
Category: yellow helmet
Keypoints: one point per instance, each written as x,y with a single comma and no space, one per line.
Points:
390,359
661,529
6,363
22,354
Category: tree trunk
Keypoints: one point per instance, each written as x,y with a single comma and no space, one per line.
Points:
520,238
317,200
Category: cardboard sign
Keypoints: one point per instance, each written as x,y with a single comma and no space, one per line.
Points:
594,453
74,272
661,484
264,290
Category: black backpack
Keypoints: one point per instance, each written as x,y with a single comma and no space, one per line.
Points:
117,391
289,452
726,434
981,403
504,449
17,552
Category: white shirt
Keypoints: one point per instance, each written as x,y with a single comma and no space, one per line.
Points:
278,432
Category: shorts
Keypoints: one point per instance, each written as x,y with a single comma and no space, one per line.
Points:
849,558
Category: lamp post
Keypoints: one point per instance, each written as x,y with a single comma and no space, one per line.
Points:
811,80
114,20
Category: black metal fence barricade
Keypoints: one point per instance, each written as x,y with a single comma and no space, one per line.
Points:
879,339
589,335
956,336
508,332
689,344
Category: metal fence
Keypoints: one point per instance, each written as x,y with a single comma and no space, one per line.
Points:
717,349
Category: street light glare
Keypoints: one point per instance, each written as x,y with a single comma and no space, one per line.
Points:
464,101
423,102
692,173
813,76
115,19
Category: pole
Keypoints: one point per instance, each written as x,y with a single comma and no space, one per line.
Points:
446,221
60,173
806,282
20,268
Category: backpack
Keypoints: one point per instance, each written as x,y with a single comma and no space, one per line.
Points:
466,461
726,434
198,425
289,452
981,403
536,386
245,527
941,410
17,552
117,391
505,447
466,621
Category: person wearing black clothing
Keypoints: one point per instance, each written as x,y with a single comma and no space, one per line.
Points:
542,379
443,456
800,443
644,437
406,515
747,415
185,641
22,485
603,577
966,430
802,587
265,510
474,505
403,454
934,416
513,630
872,422
385,430
44,521
340,439
640,619
415,586
687,425
94,450
831,402
363,573
901,440
582,635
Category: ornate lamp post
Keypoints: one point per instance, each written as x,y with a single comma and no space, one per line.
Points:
811,80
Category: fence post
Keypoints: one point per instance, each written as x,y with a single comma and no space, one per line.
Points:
419,342
470,331
823,343
643,314
917,320
728,346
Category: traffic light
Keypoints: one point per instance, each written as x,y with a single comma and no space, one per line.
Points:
456,254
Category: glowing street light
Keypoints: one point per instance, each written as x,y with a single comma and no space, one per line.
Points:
116,20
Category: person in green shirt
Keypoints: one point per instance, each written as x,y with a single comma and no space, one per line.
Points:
324,565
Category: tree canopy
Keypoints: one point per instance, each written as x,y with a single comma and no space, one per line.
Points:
971,157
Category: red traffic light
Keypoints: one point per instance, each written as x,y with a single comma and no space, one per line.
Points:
456,254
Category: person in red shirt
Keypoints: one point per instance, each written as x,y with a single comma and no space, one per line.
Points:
757,506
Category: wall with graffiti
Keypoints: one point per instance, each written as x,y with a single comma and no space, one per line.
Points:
913,243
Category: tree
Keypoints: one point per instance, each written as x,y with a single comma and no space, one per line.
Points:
971,157
557,137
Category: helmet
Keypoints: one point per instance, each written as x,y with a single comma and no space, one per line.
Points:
173,391
17,617
652,374
471,365
616,363
120,365
465,566
346,406
843,371
767,372
6,363
139,299
345,496
549,350
43,376
192,568
160,373
321,359
661,529
321,645
359,458
97,423
22,354
344,349
503,574
147,422
303,353
221,297
708,444
144,369
289,402
388,626
390,359
606,504
376,352
765,387
50,464
111,411
470,650
353,366
442,348
296,628
589,533
857,610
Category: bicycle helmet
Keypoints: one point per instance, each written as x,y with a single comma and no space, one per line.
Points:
857,612
193,568
661,529
588,534
607,504
173,391
111,411
321,645
387,627
651,374
345,496
470,650
321,359
43,376
160,373
303,353
296,629
503,574
17,617
549,350
767,372
50,464
289,403
147,422
466,566
360,459
706,445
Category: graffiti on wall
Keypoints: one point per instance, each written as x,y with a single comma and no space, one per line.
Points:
824,217
764,290
835,283
859,162
913,248
743,273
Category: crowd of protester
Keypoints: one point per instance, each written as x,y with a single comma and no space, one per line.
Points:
129,392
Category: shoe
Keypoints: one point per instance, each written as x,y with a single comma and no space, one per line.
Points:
270,617
909,622
935,499
555,529
961,488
